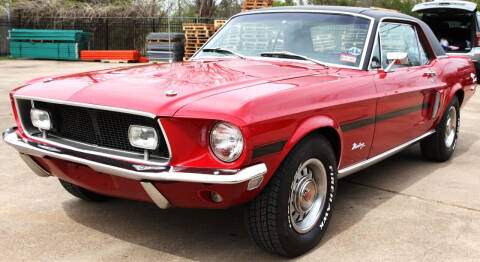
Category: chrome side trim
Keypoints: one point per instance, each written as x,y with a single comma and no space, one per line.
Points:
100,150
34,166
436,105
364,164
134,171
155,195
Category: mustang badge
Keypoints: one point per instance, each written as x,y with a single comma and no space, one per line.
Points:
356,146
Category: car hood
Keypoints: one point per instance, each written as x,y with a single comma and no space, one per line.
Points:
162,89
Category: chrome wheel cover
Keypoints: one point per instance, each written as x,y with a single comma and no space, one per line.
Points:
307,195
451,127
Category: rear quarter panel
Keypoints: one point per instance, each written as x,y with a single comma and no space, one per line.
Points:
458,77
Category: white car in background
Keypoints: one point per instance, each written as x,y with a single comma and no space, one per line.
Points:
456,25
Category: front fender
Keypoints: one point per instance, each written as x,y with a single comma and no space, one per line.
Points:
310,125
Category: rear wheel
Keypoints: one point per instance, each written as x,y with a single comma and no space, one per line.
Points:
441,145
290,215
83,193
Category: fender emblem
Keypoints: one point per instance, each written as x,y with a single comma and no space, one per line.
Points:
356,146
473,77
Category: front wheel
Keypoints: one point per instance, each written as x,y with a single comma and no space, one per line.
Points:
291,214
441,145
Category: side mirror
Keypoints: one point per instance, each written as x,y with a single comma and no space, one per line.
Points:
396,58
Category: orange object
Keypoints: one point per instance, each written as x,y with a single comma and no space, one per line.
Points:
143,60
93,55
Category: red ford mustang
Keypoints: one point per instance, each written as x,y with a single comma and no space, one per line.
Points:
273,109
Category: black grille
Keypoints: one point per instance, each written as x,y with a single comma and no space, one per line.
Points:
103,128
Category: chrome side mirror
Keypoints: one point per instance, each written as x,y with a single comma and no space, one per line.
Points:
394,58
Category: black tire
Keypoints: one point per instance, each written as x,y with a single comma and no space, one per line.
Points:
268,216
435,147
83,193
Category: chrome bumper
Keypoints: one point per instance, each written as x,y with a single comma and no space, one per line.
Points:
135,171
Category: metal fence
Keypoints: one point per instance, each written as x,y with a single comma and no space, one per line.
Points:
109,33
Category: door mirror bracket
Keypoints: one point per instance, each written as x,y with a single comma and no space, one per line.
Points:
396,58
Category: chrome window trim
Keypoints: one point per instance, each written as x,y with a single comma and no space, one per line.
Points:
400,24
160,162
364,51
396,20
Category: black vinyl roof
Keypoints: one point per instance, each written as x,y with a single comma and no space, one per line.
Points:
374,13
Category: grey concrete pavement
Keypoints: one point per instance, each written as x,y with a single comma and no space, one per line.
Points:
403,209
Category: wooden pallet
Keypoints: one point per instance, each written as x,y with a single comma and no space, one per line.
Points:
199,26
115,61
198,34
217,24
196,40
254,4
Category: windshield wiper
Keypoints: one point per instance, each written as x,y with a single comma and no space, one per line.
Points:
286,54
223,50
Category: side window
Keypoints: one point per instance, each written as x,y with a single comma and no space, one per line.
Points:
396,37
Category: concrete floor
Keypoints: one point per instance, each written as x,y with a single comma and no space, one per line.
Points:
403,209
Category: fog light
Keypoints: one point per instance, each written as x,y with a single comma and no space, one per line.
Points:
216,197
254,183
143,137
40,119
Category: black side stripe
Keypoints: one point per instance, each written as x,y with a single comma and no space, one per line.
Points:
268,149
357,124
278,146
379,118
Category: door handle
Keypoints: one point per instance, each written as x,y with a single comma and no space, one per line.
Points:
429,74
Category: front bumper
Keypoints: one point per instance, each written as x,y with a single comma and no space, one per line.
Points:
143,173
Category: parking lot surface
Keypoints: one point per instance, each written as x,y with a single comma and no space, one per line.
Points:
402,209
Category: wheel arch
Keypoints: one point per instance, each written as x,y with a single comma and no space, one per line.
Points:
457,90
318,125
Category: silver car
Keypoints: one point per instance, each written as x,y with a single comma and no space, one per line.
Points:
456,25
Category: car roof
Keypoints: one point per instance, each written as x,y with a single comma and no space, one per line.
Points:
376,13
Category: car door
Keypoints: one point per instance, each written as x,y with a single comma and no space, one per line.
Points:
404,107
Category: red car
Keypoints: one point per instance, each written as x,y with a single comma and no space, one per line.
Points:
273,109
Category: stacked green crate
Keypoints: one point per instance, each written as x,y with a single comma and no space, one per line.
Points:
47,44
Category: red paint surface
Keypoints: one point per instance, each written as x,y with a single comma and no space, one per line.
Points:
269,101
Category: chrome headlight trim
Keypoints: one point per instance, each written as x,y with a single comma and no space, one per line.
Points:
232,139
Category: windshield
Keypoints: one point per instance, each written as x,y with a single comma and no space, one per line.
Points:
328,38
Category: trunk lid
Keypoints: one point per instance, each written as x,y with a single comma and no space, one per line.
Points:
444,6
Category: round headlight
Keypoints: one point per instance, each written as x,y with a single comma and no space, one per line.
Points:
226,141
